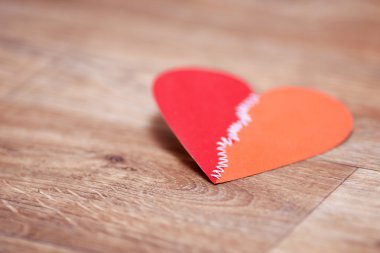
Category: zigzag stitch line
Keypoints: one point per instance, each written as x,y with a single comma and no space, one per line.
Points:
243,120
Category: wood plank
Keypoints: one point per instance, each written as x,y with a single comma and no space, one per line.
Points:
347,221
132,205
70,161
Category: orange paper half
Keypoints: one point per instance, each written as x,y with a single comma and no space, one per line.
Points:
287,125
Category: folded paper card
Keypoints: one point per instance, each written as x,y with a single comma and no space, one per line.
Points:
232,132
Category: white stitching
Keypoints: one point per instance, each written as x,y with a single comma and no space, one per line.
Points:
243,120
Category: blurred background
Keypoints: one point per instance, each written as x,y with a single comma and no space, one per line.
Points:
85,154
333,46
270,43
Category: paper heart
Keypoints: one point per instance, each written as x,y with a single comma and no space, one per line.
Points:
231,132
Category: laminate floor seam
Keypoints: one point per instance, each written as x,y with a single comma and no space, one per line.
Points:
351,165
280,240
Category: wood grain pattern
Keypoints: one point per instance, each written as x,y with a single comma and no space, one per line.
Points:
88,165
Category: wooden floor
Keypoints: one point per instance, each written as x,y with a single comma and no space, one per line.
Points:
88,165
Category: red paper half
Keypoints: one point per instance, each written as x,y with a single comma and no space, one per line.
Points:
199,106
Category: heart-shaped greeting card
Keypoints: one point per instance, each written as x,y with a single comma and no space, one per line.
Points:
232,132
